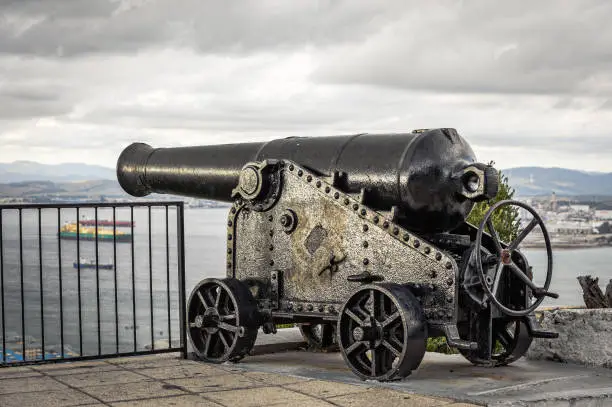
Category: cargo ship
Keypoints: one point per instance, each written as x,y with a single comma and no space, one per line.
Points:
69,232
107,222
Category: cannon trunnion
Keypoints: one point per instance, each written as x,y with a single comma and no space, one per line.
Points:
305,246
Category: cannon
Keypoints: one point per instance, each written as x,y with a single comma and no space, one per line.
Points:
364,236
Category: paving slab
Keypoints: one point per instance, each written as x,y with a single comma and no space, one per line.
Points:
525,382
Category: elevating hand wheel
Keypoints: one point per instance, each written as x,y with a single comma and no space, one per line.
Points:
505,262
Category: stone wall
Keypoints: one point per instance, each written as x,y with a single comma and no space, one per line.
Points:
585,337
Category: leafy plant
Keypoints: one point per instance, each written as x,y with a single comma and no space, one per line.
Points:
506,220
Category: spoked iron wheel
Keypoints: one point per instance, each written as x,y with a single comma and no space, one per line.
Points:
510,342
320,337
382,332
505,260
222,320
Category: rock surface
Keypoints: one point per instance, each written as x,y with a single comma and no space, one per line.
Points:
585,337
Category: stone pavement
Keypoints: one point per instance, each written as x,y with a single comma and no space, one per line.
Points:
169,381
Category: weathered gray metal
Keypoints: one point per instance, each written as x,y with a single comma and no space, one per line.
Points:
364,232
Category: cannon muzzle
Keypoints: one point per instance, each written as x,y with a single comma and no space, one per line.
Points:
431,176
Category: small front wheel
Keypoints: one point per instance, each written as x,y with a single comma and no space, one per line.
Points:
222,320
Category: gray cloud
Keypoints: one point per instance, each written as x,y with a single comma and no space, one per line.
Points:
526,83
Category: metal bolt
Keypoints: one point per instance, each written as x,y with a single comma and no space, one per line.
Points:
376,219
427,250
270,218
229,264
385,224
355,207
290,305
271,232
309,178
300,173
449,299
336,195
365,228
449,281
229,250
366,262
416,243
438,256
233,209
291,167
321,308
346,201
229,237
284,220
433,274
310,307
318,184
271,262
448,265
230,223
271,247
363,212
365,244
406,237
299,307
395,231
331,309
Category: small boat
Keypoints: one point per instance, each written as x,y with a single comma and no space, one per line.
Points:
89,263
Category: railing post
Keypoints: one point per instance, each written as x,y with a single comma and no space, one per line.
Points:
180,234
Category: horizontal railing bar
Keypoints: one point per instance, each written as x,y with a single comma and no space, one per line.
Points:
92,205
92,357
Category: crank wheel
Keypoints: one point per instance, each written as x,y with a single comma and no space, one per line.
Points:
320,337
510,342
222,320
382,332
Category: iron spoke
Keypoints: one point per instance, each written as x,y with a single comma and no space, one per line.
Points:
223,340
534,222
391,319
227,317
207,344
519,273
396,341
353,317
227,327
495,236
192,325
218,299
393,350
498,274
505,338
373,302
202,300
354,346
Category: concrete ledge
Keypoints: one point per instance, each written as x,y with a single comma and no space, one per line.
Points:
585,337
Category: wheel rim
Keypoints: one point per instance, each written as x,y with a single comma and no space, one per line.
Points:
506,262
381,335
214,320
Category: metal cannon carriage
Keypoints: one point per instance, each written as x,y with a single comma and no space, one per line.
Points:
364,236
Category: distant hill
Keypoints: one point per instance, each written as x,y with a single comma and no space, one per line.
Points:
28,189
534,181
20,171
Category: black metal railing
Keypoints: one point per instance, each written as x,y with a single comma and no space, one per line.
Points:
81,281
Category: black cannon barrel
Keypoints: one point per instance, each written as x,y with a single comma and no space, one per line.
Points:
421,173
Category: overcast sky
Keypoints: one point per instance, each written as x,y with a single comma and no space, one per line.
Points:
525,82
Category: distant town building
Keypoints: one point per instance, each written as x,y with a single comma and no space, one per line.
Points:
603,214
